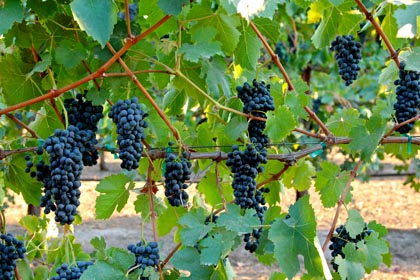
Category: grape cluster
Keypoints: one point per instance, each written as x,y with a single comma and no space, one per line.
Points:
85,116
177,171
147,255
257,101
61,193
408,97
129,118
132,10
348,54
341,238
66,272
11,250
245,165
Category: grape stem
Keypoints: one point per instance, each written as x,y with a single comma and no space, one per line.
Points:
398,126
60,117
368,15
17,275
54,93
275,177
171,254
340,203
145,93
127,19
22,124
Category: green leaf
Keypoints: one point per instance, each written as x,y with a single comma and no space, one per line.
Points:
70,53
234,221
248,49
96,17
280,123
227,34
408,20
10,12
113,268
41,272
343,121
390,27
373,248
349,270
207,186
216,77
113,194
46,121
365,139
297,101
172,7
189,259
299,176
20,182
200,50
43,9
354,223
195,229
17,87
142,205
330,183
166,221
413,60
100,245
30,223
236,127
294,236
268,27
326,31
216,247
24,268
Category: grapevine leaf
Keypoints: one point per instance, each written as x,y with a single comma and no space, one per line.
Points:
330,183
408,21
96,17
326,31
348,269
390,27
280,123
373,248
194,227
248,49
216,78
413,60
278,276
234,221
166,221
113,194
300,175
41,272
227,34
100,245
10,12
366,138
172,7
380,229
216,246
142,205
20,182
297,102
189,259
114,267
70,53
42,8
295,235
30,223
236,127
268,27
354,223
200,50
46,121
343,121
17,87
207,187
25,271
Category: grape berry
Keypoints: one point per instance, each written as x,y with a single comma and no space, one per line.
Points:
129,118
11,250
348,54
408,97
66,272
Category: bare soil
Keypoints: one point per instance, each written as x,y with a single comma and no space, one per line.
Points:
386,200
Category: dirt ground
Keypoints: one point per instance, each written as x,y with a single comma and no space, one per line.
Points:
385,200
